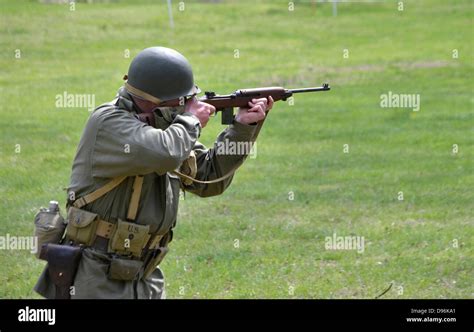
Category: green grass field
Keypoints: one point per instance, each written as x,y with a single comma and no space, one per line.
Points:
265,237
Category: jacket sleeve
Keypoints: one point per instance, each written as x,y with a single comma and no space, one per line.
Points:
229,151
126,146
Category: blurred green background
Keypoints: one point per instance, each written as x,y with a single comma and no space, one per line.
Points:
265,237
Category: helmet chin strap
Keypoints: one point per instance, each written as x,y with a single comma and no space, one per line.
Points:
142,94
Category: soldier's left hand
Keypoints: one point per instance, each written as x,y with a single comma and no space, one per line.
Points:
255,112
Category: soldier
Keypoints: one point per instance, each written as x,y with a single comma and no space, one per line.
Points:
123,195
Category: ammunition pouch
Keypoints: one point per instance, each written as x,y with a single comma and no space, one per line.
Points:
82,226
129,268
63,262
129,238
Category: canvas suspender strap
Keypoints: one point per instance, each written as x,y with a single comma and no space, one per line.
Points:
135,199
80,202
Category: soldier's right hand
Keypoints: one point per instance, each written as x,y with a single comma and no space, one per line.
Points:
201,110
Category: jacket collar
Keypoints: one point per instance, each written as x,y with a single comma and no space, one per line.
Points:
125,101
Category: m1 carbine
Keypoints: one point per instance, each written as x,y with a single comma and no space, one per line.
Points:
241,98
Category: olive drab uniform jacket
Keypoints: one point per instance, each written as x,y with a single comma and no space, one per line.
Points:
116,143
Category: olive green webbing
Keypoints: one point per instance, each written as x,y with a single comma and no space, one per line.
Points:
80,202
135,199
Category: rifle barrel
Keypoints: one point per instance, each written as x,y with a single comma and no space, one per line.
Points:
325,87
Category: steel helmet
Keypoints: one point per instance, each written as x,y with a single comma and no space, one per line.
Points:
158,74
